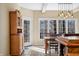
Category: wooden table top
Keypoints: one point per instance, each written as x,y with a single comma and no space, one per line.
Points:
67,42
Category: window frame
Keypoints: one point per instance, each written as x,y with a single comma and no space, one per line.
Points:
57,27
64,26
48,19
68,25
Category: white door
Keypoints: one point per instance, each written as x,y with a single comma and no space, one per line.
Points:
27,31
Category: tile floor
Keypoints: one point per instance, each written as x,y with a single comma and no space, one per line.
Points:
37,51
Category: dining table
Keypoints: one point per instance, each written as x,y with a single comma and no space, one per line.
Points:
67,45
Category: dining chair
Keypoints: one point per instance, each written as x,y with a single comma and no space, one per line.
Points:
53,44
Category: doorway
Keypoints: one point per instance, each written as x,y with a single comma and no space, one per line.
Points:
27,31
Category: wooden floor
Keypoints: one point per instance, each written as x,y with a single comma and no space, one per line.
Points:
36,51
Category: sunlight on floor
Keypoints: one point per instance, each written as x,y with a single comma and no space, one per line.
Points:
37,49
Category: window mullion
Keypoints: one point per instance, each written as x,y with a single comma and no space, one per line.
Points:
48,26
57,27
66,22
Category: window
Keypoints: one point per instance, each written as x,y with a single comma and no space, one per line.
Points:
26,31
71,26
43,28
56,26
47,26
52,26
61,25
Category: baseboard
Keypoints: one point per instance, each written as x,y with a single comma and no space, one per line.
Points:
4,54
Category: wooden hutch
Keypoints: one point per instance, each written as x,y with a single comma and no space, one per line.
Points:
16,38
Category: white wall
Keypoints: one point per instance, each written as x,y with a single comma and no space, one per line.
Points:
4,27
4,30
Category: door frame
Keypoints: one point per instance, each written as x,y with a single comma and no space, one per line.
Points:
30,19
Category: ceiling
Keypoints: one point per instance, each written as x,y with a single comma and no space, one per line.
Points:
44,6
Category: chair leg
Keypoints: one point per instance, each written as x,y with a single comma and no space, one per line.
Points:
50,51
56,50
